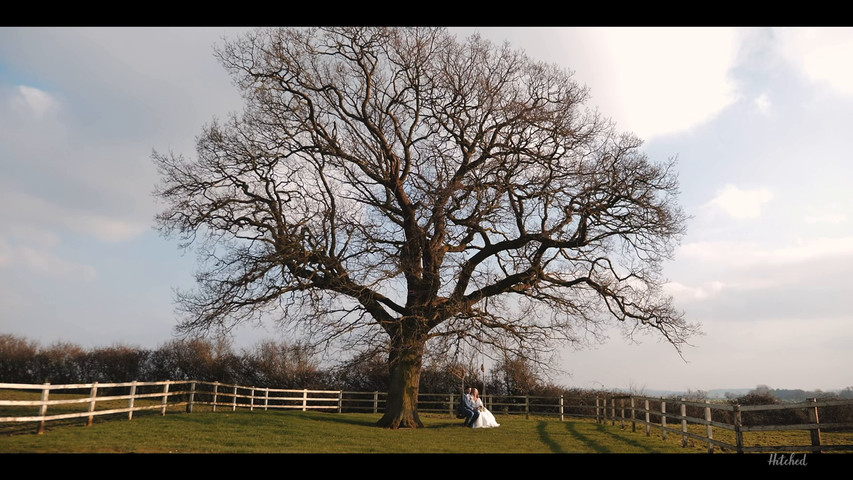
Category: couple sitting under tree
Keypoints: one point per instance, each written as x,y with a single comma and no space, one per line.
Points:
475,413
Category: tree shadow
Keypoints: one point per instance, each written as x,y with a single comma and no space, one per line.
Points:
621,438
572,429
345,419
446,425
371,422
547,439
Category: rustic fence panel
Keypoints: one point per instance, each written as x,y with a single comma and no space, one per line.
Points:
697,417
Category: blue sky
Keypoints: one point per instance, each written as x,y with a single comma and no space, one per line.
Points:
759,119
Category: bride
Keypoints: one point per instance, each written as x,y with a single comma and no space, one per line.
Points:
486,419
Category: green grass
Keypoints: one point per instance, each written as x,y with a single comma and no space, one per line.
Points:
280,431
318,432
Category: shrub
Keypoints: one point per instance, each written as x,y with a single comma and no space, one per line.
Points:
17,359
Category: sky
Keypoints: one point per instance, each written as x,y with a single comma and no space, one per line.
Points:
758,118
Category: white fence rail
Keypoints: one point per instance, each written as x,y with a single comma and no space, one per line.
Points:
18,405
90,400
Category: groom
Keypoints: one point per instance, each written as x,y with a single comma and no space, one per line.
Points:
469,409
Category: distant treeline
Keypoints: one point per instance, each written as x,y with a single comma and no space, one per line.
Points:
268,364
798,395
293,365
764,395
777,394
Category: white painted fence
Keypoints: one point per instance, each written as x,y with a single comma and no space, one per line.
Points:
86,401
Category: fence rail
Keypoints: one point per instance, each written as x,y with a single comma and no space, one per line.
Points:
732,430
693,420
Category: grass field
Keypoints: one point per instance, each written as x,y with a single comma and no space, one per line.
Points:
317,432
277,431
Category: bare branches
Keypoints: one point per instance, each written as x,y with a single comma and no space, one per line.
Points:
401,179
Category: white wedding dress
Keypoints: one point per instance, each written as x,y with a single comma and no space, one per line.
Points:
486,419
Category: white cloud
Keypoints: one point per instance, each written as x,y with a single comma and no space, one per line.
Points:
107,229
34,101
42,262
822,53
763,104
708,269
748,254
51,265
650,81
31,213
832,218
813,248
667,80
685,292
742,203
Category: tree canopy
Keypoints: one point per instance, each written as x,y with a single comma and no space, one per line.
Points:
401,185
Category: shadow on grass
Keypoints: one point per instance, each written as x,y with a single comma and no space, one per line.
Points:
363,420
597,447
452,426
32,427
546,438
620,437
600,441
428,424
21,428
343,418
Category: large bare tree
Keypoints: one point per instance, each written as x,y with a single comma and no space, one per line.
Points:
402,183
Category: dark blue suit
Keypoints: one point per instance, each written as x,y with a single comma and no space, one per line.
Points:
470,410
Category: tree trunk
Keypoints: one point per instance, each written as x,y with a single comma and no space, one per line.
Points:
401,407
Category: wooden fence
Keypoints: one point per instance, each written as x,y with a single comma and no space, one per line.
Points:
694,421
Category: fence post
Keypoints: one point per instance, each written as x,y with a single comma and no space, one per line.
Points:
234,400
648,424
304,399
215,394
562,411
613,411
93,394
738,430
252,399
815,432
527,406
597,411
663,418
683,423
131,401
192,398
622,413
45,394
165,401
452,403
266,398
340,401
375,402
633,416
708,427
